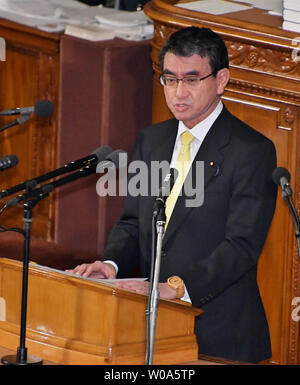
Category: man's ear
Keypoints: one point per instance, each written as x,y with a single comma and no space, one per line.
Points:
222,79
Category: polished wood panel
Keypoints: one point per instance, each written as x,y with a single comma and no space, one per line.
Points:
102,95
105,99
72,320
30,73
264,91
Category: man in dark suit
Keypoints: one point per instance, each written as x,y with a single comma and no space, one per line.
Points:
212,248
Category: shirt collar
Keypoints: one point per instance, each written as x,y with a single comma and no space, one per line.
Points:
201,129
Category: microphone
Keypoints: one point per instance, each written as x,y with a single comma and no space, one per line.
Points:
97,155
282,177
42,108
8,162
112,160
45,189
165,190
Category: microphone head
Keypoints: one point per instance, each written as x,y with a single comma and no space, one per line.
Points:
43,108
280,172
165,190
8,162
115,158
171,176
102,152
168,182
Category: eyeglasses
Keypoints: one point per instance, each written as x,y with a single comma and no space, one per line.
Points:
189,81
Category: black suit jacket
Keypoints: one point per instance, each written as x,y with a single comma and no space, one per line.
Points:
214,247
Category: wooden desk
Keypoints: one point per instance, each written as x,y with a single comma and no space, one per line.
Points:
74,320
202,361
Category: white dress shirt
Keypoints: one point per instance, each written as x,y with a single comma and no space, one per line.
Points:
199,132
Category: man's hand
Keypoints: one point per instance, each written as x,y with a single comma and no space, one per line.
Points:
96,269
142,287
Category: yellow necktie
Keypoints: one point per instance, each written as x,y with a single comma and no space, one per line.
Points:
182,166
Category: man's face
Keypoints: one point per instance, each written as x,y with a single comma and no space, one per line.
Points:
193,104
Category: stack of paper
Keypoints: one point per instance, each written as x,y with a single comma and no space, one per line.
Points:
126,25
36,13
291,15
90,32
111,22
274,7
78,19
214,7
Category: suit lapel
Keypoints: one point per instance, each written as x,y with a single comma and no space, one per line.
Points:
161,150
210,153
164,148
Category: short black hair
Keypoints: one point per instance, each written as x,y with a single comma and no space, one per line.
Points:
201,41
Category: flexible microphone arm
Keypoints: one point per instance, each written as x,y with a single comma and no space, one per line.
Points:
36,193
46,188
22,119
281,176
85,171
21,357
289,201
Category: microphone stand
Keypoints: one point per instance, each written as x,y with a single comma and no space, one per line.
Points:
287,196
29,184
159,221
21,358
22,119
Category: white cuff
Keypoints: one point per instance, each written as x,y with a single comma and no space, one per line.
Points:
114,265
186,296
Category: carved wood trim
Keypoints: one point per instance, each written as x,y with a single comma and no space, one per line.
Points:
294,349
245,56
264,91
266,58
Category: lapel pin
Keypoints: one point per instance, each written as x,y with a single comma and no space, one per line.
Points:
213,164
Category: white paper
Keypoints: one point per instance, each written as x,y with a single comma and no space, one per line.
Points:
126,25
115,18
25,20
214,7
39,8
274,7
290,15
35,13
56,15
143,32
290,26
90,32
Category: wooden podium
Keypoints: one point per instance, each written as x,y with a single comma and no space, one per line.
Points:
75,320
